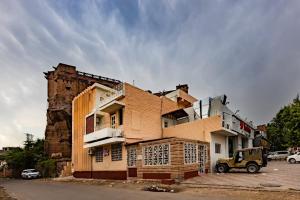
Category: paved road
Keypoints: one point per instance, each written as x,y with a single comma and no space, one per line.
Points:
39,190
276,173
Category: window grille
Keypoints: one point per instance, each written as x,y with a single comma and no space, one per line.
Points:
190,153
157,154
202,157
99,154
116,152
131,156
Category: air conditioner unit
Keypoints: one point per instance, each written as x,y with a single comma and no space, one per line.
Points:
91,151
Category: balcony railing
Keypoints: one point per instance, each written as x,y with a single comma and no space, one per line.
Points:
103,134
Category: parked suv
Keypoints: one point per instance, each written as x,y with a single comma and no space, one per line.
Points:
278,155
251,158
294,158
30,173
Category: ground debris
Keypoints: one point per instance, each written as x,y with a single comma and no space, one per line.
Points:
159,188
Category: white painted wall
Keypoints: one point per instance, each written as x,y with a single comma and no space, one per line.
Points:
220,139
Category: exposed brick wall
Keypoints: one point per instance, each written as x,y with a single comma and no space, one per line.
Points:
177,169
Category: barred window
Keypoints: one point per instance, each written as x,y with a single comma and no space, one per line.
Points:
116,152
131,156
99,154
190,153
157,154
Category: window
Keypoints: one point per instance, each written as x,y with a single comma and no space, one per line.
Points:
98,120
99,154
113,121
190,153
165,124
121,116
131,156
157,154
202,157
89,125
217,148
116,152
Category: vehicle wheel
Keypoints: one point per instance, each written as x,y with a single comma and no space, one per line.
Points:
252,168
292,161
222,168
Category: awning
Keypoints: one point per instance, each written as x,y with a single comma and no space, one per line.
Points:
177,114
112,106
225,132
103,142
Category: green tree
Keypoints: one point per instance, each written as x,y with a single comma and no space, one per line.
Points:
284,129
31,156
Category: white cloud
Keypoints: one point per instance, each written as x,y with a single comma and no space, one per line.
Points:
246,49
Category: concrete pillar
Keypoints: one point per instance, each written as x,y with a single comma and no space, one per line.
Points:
226,147
250,142
239,142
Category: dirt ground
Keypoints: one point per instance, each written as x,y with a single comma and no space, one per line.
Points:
211,193
4,195
280,173
235,194
135,188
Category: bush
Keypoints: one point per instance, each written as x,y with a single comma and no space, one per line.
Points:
47,168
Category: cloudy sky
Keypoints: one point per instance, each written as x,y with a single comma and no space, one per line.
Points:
249,50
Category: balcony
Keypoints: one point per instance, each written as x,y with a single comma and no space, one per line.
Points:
111,107
119,92
102,134
104,142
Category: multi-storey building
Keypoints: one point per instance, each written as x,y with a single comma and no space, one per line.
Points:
64,83
128,132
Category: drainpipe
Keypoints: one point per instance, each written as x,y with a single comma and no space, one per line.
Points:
161,124
91,166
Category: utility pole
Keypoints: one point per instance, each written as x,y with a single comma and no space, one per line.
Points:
29,141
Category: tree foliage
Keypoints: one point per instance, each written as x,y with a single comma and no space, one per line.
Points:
31,156
284,130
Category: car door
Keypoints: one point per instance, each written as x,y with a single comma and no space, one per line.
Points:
298,157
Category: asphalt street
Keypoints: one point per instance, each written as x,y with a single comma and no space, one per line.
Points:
40,190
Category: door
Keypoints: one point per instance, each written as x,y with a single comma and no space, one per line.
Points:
202,157
113,121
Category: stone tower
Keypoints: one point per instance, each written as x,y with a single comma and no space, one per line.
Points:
64,83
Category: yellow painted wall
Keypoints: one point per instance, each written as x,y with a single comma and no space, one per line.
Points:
110,165
82,105
195,130
142,114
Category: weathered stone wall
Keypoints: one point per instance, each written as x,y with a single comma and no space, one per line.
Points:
64,83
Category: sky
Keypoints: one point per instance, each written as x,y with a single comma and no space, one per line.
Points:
248,50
